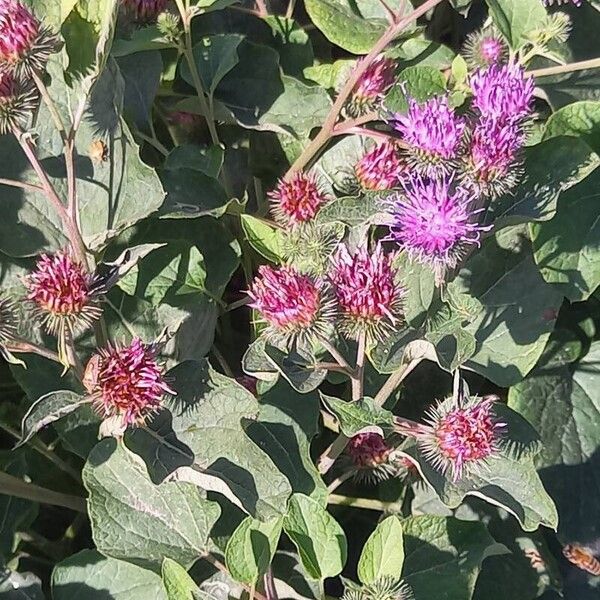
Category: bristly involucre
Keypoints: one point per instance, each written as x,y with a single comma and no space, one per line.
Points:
25,45
381,168
368,292
385,588
8,320
292,305
434,133
296,200
130,382
372,86
463,436
369,458
484,48
144,11
434,222
17,101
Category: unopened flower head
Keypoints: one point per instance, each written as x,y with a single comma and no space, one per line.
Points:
381,168
292,304
384,588
372,86
296,200
144,11
8,320
434,133
369,458
561,2
367,291
64,294
485,48
493,156
309,248
503,92
130,382
25,45
463,437
17,101
434,222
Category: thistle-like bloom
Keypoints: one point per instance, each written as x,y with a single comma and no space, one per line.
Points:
367,290
462,438
17,100
8,320
296,200
292,304
485,48
434,222
130,382
144,11
493,155
381,168
24,44
64,294
434,133
369,458
503,92
372,86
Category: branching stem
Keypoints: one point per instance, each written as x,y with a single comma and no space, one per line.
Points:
593,63
394,380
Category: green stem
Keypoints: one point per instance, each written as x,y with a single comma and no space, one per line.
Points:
394,380
20,184
18,346
359,374
367,503
13,486
593,63
153,142
58,122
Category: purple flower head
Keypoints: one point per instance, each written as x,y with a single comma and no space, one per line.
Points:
372,86
370,458
502,91
296,200
433,220
381,168
485,48
493,158
433,131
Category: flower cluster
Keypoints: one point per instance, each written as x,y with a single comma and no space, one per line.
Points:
144,11
382,168
130,383
64,294
296,200
372,86
462,438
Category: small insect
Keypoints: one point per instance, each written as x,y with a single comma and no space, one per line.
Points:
582,558
98,151
90,375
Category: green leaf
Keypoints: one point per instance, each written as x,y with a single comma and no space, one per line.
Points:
443,556
147,529
562,401
330,75
567,248
320,540
359,416
519,307
293,45
20,586
508,479
297,367
251,548
516,18
256,363
353,211
47,409
177,582
383,553
207,160
419,282
141,40
399,349
264,238
205,442
419,83
580,119
92,576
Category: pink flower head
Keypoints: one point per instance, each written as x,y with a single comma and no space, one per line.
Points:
64,293
369,456
503,91
433,221
144,10
381,168
376,81
494,147
296,200
462,438
24,43
485,48
434,132
291,303
366,287
130,382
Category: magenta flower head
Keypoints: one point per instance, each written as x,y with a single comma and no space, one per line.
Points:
65,295
367,289
492,164
381,168
485,48
296,200
434,133
462,437
24,44
372,86
434,222
503,92
17,101
369,457
293,305
144,11
130,382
